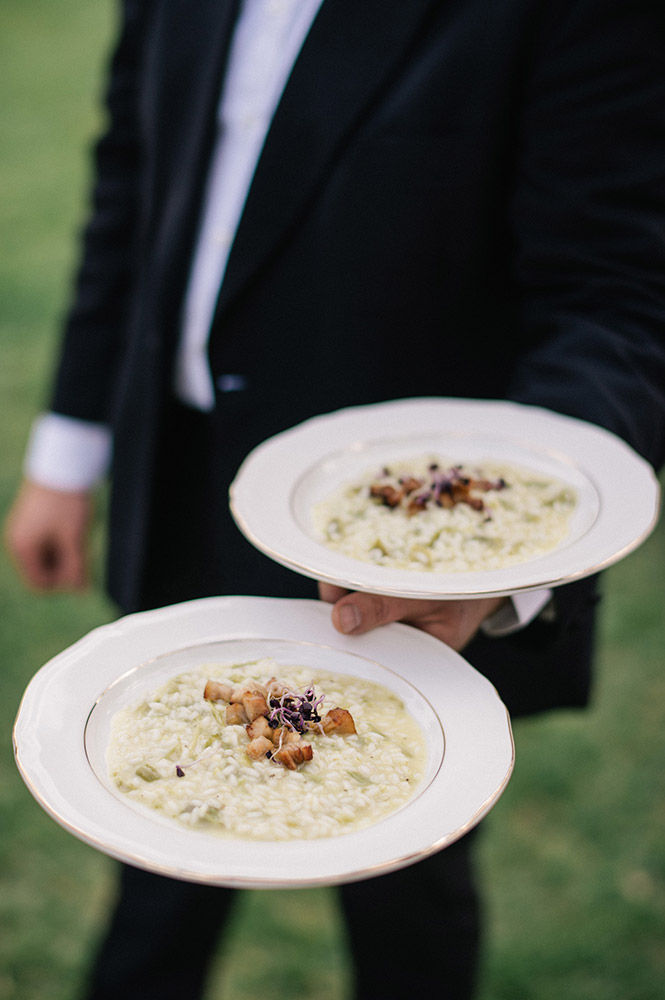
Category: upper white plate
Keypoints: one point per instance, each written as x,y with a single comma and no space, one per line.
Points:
282,479
62,731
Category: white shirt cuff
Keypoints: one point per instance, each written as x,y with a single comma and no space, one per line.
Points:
65,453
516,613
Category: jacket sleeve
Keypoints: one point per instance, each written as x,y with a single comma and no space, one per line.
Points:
589,220
95,327
588,217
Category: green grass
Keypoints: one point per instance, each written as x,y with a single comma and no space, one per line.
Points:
573,855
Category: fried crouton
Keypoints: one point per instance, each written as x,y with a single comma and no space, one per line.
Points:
275,688
236,715
214,691
338,720
259,727
293,754
259,747
254,704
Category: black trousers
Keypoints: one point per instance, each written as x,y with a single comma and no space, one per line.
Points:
413,930
163,932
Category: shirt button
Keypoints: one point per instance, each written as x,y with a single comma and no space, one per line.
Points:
231,383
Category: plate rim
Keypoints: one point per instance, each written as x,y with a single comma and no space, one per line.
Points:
56,670
317,562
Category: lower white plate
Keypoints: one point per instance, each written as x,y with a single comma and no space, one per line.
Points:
63,725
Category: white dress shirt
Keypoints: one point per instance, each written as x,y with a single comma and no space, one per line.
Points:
68,454
266,42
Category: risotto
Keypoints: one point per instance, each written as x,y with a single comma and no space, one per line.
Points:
429,514
175,752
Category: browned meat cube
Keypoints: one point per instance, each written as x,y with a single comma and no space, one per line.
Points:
254,704
242,690
410,483
259,747
236,715
338,720
293,754
417,505
388,494
283,735
275,688
259,727
214,691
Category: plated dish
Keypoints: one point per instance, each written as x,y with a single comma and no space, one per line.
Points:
64,724
614,493
261,749
432,515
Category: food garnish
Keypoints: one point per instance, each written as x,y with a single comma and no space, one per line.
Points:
299,771
443,488
429,513
276,718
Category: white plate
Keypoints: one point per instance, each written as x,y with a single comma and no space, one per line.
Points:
618,493
62,729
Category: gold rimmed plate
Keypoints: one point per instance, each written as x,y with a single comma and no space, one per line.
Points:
63,726
617,491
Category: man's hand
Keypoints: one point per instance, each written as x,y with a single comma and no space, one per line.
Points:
453,622
47,536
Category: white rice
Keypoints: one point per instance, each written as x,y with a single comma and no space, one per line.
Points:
526,519
351,782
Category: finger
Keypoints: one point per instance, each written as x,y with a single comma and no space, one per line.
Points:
356,613
453,622
33,569
330,593
50,565
36,565
71,568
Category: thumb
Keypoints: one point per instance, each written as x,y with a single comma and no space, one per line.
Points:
358,612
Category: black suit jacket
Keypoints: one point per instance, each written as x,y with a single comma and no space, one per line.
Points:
456,197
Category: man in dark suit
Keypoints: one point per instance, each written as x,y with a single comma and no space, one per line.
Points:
440,197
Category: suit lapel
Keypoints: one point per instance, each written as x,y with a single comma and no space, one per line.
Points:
334,81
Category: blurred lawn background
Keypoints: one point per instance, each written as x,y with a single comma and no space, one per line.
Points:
574,853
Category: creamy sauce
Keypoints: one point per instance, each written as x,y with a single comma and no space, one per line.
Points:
174,753
525,517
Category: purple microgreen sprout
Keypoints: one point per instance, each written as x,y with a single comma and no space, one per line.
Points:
295,711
